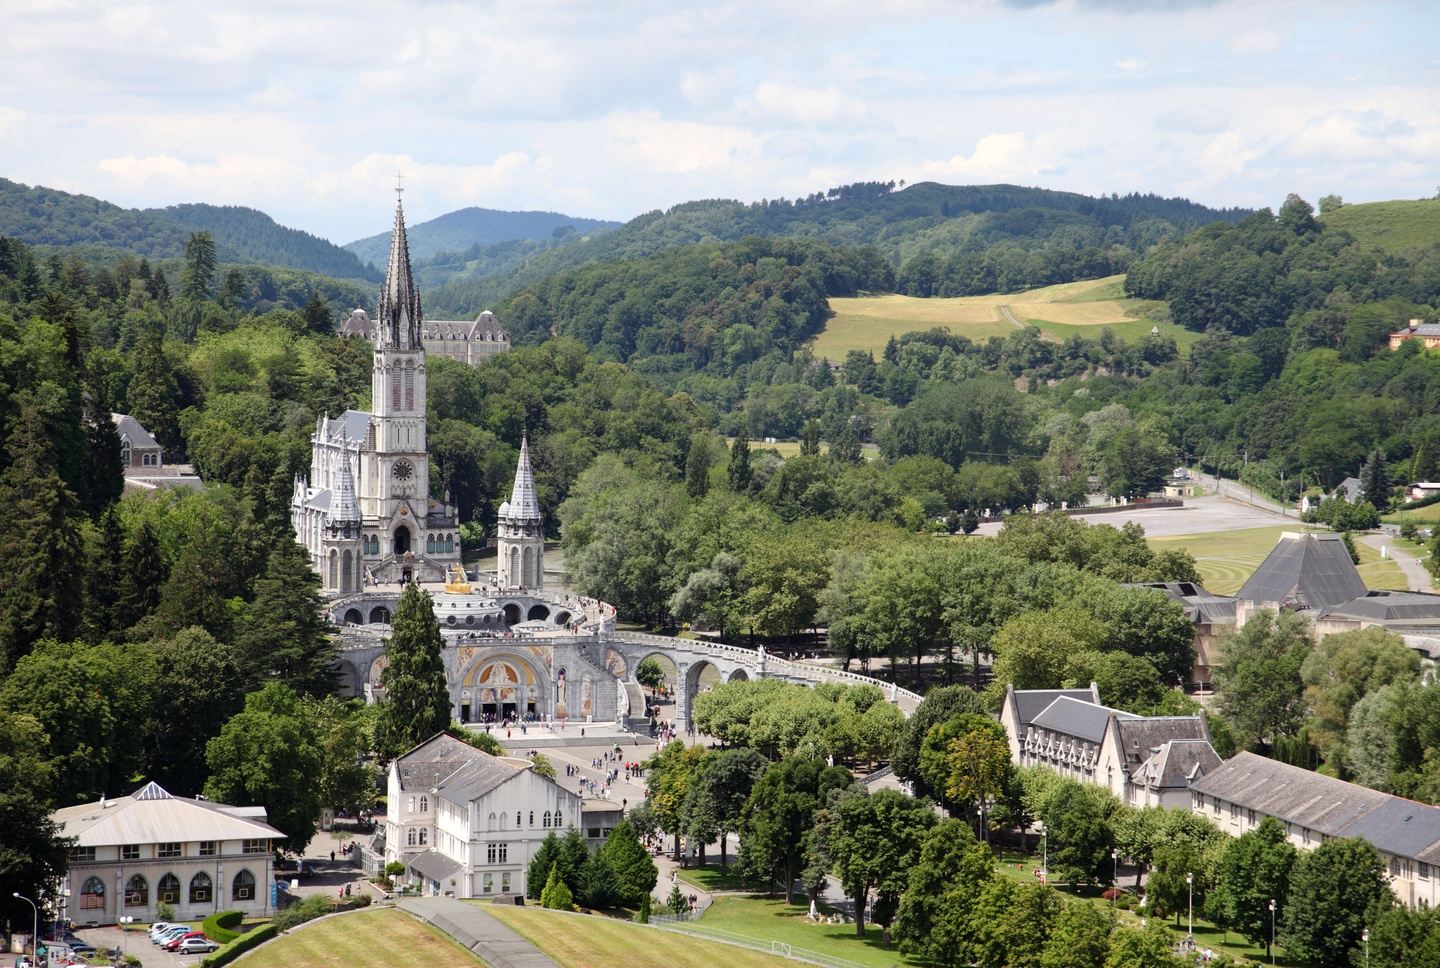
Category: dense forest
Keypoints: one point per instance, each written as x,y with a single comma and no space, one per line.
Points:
939,239
46,217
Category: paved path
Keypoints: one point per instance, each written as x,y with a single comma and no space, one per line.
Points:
477,930
1416,575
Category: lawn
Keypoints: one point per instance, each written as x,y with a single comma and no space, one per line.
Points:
791,448
1226,559
867,322
712,878
1429,514
599,942
368,939
766,919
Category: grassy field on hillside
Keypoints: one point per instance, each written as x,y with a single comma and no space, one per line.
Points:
768,920
599,942
867,322
1226,559
369,939
791,448
1391,226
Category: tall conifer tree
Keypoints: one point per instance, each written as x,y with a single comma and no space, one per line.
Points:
738,473
417,701
285,635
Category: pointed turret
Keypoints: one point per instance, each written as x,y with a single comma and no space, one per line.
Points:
523,505
398,317
344,509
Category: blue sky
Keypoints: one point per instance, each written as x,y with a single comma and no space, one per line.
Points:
306,108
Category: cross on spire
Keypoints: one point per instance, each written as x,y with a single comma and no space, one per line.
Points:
399,187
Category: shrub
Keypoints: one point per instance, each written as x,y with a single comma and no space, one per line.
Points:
643,915
242,944
165,912
306,910
394,869
220,927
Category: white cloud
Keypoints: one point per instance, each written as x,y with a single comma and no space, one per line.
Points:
996,157
807,105
1130,65
10,120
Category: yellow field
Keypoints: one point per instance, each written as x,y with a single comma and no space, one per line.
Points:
867,322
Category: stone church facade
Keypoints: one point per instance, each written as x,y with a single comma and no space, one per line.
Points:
364,513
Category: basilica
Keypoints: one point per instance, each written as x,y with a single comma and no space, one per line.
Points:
365,512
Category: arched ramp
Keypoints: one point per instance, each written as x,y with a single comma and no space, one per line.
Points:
739,675
354,617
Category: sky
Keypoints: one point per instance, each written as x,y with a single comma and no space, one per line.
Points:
307,109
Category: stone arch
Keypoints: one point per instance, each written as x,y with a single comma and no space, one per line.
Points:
512,613
513,578
402,539
738,675
353,617
380,615
563,618
539,612
501,683
334,568
377,668
349,679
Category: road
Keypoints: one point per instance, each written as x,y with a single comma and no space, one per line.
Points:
1417,576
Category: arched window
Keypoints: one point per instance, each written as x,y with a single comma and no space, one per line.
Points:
168,890
409,388
200,888
124,453
517,819
424,804
546,818
532,818
92,895
137,892
394,390
334,568
242,888
490,824
410,837
345,571
502,821
412,805
424,836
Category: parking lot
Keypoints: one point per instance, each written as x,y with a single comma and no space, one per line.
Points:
136,943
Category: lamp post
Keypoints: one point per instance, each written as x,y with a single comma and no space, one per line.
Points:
1272,931
1365,937
35,927
125,935
1045,857
1190,885
1114,876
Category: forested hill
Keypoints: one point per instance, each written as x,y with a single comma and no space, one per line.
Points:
249,235
45,216
467,228
940,239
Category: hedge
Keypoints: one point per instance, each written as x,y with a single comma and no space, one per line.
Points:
219,927
242,944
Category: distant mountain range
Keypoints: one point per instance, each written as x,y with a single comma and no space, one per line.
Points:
468,228
45,216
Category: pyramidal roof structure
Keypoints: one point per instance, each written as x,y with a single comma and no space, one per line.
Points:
398,316
523,505
345,508
1305,570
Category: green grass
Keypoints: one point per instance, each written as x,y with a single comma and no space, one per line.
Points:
1429,514
1391,226
767,919
598,942
1379,572
369,939
1226,559
791,448
1084,308
712,878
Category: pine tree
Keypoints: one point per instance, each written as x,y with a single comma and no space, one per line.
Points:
103,572
153,394
845,448
143,571
697,465
541,865
1375,480
738,473
197,589
417,700
556,896
197,276
105,478
598,887
285,633
40,543
635,873
317,315
643,915
676,901
810,439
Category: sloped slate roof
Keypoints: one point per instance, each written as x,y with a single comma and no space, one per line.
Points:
434,865
1176,764
1078,717
1305,570
1200,605
1141,736
476,778
152,816
352,425
1030,703
424,766
1381,605
128,427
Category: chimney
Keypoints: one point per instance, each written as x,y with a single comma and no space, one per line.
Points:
1415,324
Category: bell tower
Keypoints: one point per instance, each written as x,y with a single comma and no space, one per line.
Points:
398,464
520,541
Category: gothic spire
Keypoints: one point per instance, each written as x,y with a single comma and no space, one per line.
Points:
344,509
523,504
397,318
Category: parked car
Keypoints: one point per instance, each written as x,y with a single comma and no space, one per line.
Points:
179,931
174,943
197,946
160,927
76,944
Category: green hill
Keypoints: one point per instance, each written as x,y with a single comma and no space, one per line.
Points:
1390,226
943,240
476,228
46,217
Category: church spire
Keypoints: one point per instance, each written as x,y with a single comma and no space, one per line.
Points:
397,318
345,509
523,504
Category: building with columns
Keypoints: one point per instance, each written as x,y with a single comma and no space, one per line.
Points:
364,512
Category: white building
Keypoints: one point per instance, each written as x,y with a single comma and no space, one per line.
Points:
466,823
133,853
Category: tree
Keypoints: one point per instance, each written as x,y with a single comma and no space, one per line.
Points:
939,705
1332,890
874,841
697,465
1253,873
32,852
598,888
317,316
978,768
726,780
200,685
417,699
1375,480
778,815
541,764
143,571
810,439
1079,938
650,675
738,474
1079,835
285,635
676,903
555,895
267,755
642,916
346,781
1403,937
153,394
940,894
634,871
1033,650
1340,671
197,274
670,774
537,874
1011,924
1153,947
1257,681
